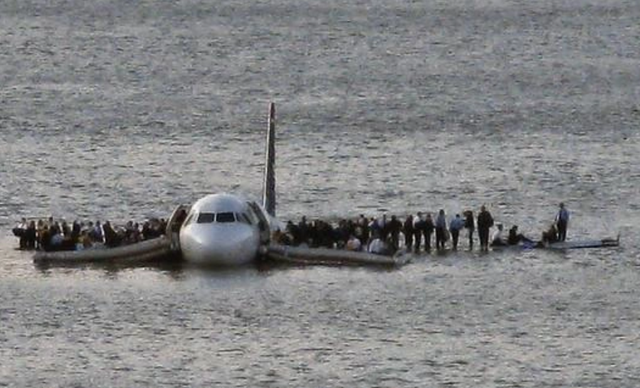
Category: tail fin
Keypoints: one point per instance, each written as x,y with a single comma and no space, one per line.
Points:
269,189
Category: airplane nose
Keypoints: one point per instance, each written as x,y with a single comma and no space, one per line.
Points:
223,247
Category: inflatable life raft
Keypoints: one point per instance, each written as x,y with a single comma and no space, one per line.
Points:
148,250
154,249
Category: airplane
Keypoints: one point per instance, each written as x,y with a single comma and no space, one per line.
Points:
226,229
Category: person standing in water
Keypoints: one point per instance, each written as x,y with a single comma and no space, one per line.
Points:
562,220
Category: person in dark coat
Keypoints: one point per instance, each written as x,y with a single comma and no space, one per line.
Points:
418,223
394,226
441,227
30,235
408,231
515,238
45,238
75,231
383,224
111,238
363,232
469,226
427,229
562,220
485,221
304,231
293,230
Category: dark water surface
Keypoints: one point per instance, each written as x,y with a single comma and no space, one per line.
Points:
121,110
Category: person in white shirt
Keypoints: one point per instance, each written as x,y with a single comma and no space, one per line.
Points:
20,231
56,241
496,238
377,246
353,244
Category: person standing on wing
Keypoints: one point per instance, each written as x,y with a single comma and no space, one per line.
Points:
407,230
485,221
454,227
562,220
427,229
441,227
418,222
468,224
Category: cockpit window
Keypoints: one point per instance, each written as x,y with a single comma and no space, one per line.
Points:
206,218
225,217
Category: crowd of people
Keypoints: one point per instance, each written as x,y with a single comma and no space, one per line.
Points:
387,235
57,235
384,235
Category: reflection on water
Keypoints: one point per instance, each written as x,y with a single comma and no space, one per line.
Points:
452,317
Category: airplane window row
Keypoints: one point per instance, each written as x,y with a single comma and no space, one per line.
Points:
226,217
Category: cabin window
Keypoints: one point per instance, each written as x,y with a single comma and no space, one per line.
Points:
225,217
206,218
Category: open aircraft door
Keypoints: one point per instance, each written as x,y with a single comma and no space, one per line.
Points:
263,224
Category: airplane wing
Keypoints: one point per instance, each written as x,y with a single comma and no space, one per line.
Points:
579,244
325,256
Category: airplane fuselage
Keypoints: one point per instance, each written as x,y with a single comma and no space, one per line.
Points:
221,229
